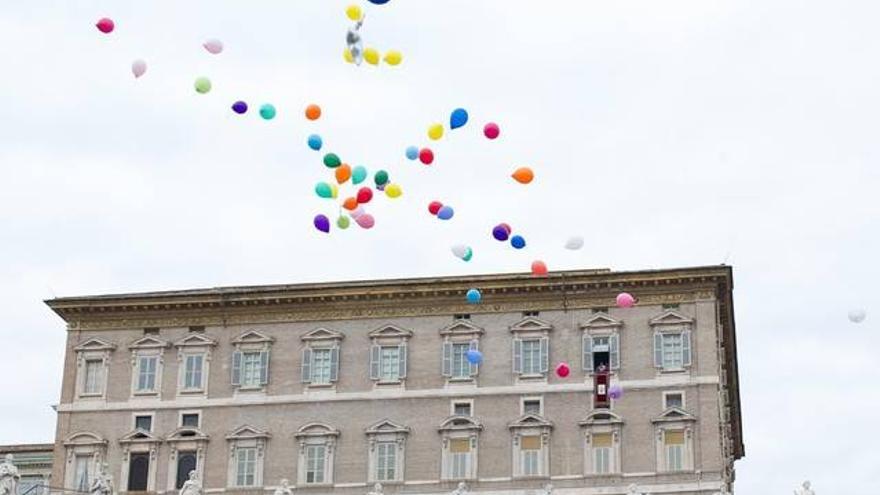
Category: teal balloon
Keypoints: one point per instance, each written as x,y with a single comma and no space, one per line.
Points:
381,177
267,111
468,254
323,190
331,160
458,118
358,174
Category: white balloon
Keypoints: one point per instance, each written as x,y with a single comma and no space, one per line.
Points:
138,67
459,250
574,243
357,212
213,46
856,315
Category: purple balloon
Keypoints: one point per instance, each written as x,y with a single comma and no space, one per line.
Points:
239,107
500,233
322,223
615,392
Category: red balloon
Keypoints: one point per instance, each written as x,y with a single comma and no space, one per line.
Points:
434,207
562,370
365,194
426,156
491,130
105,25
539,268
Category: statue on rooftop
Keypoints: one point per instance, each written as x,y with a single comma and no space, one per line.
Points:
377,490
103,482
805,489
192,486
284,489
8,477
462,489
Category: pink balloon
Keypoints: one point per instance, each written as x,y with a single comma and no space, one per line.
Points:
213,46
366,221
491,130
357,212
625,300
562,370
138,67
105,25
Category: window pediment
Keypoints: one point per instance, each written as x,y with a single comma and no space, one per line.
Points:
386,426
148,342
247,432
459,423
670,317
139,436
601,417
530,421
253,337
185,433
601,321
316,429
95,344
322,334
195,340
674,414
531,324
84,438
461,327
390,331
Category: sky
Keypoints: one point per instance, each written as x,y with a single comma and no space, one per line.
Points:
667,134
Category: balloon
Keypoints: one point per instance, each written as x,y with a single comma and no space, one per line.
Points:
426,156
379,2
412,152
468,255
364,195
562,370
213,46
267,111
346,54
202,85
434,207
491,130
474,356
523,175
458,118
393,191
615,391
518,242
343,222
350,203
343,173
241,107
393,57
445,213
105,25
358,174
323,190
474,296
574,243
354,12
313,112
366,221
625,300
539,268
435,131
856,315
371,56
506,227
357,212
315,142
322,223
334,190
459,250
381,177
500,233
138,67
331,160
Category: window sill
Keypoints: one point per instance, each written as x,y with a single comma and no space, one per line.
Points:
317,485
460,379
90,396
603,475
145,393
673,371
532,477
192,391
250,390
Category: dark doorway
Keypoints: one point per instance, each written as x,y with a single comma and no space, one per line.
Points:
186,462
138,471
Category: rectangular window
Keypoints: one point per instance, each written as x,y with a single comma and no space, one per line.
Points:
674,444
673,399
533,314
143,423
672,350
315,463
192,378
460,452
147,373
461,368
189,419
386,461
602,453
81,474
531,357
461,409
389,363
93,380
245,466
532,406
31,485
251,368
321,366
530,450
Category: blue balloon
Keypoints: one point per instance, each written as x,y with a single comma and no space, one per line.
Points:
412,152
445,213
500,233
518,242
315,142
379,2
474,296
474,356
458,118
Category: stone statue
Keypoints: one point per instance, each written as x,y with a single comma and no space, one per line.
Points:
377,490
103,482
8,477
192,486
548,489
805,489
462,489
284,489
633,490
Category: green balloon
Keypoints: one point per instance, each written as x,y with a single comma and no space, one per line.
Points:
267,111
468,255
331,160
323,190
343,222
358,174
381,177
202,85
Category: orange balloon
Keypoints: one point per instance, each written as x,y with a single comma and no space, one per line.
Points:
539,269
350,203
523,175
313,112
343,173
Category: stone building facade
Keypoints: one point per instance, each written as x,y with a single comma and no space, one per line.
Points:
34,464
337,386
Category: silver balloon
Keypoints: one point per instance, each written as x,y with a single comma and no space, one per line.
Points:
856,315
574,243
355,43
459,250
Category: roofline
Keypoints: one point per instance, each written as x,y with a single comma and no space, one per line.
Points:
27,447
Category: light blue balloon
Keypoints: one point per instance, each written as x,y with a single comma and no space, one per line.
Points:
315,142
474,356
412,152
474,296
445,213
458,118
358,174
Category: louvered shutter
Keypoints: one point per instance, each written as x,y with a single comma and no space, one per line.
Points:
375,358
447,359
306,365
264,367
588,353
401,360
517,356
236,368
545,354
474,368
658,350
334,364
614,344
686,347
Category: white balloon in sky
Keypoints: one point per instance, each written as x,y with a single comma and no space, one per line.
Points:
459,250
856,315
574,243
138,68
213,46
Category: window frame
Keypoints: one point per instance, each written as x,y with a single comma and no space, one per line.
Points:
602,422
149,414
672,322
243,464
319,340
386,435
186,412
94,350
246,438
194,343
531,398
667,393
312,435
530,426
601,325
149,347
536,332
251,343
385,337
459,332
455,402
459,428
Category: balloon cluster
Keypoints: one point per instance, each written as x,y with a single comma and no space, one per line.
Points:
502,232
441,211
465,253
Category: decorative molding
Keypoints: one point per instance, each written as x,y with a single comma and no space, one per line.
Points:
148,342
316,429
252,337
390,331
195,340
460,423
322,334
461,328
246,432
95,344
601,321
670,317
531,324
674,414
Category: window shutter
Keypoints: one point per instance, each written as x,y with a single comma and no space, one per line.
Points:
401,360
545,354
306,365
447,359
236,368
264,367
334,364
374,361
517,356
588,353
658,350
475,368
686,348
614,344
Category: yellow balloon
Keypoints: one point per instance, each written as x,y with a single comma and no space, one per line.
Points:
334,190
435,132
354,12
393,57
346,54
393,191
371,55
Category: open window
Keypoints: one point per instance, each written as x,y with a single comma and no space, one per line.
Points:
601,343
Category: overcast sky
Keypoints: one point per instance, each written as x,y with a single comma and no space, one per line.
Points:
667,133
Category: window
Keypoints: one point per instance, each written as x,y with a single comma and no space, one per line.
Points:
532,406
672,340
461,317
31,485
186,462
388,362
250,361
144,422
194,358
386,461
601,350
460,448
460,365
82,479
250,369
462,408
387,451
460,436
673,399
196,329
93,384
602,445
190,420
534,314
459,338
192,378
530,356
317,445
151,331
530,452
247,446
600,310
320,357
321,366
245,462
531,445
147,373
674,444
315,463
